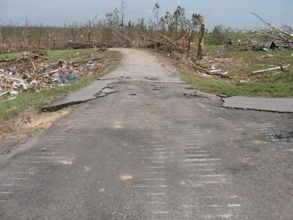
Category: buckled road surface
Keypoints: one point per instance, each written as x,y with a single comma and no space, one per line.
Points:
152,147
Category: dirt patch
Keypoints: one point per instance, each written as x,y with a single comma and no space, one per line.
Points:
16,130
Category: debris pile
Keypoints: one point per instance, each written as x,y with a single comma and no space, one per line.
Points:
280,37
36,72
208,66
270,38
25,73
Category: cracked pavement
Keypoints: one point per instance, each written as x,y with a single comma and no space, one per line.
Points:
156,149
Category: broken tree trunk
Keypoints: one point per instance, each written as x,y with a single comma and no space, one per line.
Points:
124,36
174,45
203,69
154,42
281,67
4,93
201,37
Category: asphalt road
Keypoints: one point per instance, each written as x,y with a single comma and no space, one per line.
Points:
155,150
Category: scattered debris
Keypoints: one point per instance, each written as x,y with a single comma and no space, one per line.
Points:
37,71
4,93
270,39
280,37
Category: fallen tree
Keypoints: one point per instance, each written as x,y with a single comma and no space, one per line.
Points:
281,67
285,36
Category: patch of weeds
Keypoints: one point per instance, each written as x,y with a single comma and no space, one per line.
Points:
217,86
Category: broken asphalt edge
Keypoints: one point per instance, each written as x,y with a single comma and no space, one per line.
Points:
199,94
250,109
101,94
98,95
55,108
257,110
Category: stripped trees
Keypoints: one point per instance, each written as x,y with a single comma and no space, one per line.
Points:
180,36
281,35
201,37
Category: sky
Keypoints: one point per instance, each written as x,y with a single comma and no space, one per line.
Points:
230,13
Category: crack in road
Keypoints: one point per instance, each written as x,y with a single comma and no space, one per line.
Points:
150,152
101,94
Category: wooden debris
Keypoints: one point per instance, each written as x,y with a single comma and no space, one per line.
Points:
287,37
4,93
124,36
281,67
80,45
173,45
35,72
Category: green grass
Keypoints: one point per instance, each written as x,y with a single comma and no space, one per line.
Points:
279,57
67,54
240,66
55,54
11,108
11,55
255,61
281,89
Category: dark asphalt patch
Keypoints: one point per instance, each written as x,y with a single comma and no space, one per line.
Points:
284,136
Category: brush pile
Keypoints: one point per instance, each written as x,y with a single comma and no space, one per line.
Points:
37,71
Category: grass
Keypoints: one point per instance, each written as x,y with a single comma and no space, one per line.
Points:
257,60
212,85
250,61
11,108
67,54
240,65
55,54
10,55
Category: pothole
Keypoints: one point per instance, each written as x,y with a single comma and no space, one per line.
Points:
284,136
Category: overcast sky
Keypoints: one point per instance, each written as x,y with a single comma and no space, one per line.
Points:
230,13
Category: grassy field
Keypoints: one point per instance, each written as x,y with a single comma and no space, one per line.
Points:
67,54
7,56
11,108
55,54
240,65
212,85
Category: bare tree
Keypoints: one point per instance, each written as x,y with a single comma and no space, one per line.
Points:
113,18
180,20
90,24
156,12
123,7
201,37
0,35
